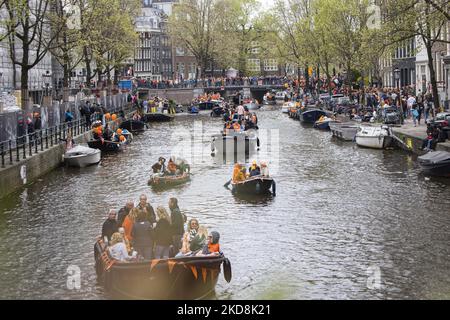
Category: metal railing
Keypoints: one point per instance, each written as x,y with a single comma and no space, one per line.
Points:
21,148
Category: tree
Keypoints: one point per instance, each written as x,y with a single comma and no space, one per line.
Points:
193,24
420,19
29,27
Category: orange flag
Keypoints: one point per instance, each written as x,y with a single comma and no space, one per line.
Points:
204,274
154,263
171,264
194,271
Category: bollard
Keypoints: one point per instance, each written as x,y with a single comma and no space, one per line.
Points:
46,138
42,141
51,137
3,156
17,149
30,146
35,142
10,152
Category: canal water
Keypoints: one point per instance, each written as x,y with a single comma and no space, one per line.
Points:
347,223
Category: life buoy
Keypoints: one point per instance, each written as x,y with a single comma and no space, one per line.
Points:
227,270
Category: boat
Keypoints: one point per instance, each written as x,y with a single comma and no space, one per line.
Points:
217,112
235,142
344,131
168,181
436,163
311,115
183,278
254,185
323,124
287,106
209,105
251,106
133,125
157,117
193,110
280,96
376,137
81,156
105,146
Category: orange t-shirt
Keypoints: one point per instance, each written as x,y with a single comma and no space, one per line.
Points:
128,226
213,247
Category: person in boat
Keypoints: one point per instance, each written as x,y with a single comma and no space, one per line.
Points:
163,234
171,167
137,116
254,119
264,169
110,225
199,241
238,175
147,208
142,235
255,170
189,235
160,166
118,249
237,126
126,241
70,143
177,224
123,212
182,165
213,246
107,133
129,222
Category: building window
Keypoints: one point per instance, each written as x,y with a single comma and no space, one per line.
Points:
254,65
270,65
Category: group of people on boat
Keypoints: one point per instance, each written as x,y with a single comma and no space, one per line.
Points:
105,133
175,166
137,233
156,104
240,172
239,119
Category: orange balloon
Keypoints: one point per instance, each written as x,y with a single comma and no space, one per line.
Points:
114,117
122,138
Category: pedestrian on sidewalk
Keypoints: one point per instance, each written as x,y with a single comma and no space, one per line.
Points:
415,115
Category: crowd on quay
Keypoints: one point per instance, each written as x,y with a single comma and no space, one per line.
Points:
137,233
212,82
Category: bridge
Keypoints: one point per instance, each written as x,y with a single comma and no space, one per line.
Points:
186,95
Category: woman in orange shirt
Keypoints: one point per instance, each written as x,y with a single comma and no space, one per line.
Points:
129,221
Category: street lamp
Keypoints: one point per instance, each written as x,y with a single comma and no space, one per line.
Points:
397,77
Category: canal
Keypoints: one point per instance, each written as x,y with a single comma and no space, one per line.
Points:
347,223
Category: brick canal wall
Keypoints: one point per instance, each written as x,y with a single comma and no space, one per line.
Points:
26,171
412,138
16,176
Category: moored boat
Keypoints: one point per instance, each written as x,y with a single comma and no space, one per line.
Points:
188,277
344,131
81,156
377,137
168,181
323,124
311,115
105,146
287,106
157,117
254,185
133,125
436,163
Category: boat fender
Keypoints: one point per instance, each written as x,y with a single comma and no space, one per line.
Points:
257,142
227,270
274,188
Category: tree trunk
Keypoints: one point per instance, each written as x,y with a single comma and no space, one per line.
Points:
428,45
87,62
24,70
66,83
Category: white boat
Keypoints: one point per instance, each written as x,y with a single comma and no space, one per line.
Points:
286,106
377,137
239,143
280,95
81,156
344,131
